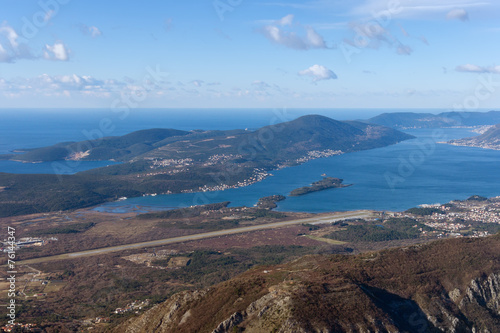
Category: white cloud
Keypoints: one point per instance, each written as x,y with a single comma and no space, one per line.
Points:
69,85
4,56
404,49
287,20
469,68
93,31
416,8
458,14
48,15
58,51
260,84
293,35
318,73
11,48
372,35
197,83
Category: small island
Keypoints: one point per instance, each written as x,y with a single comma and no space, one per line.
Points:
270,201
320,185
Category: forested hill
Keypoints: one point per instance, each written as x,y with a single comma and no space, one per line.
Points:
292,139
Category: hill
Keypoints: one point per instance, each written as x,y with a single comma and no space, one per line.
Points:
275,143
429,120
108,148
451,286
489,139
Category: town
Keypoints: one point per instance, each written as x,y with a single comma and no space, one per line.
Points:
459,218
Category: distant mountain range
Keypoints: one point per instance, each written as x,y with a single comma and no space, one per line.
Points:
489,139
444,286
403,120
174,161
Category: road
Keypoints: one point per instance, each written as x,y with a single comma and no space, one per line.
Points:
313,220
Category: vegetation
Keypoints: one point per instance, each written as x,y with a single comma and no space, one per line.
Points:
392,229
477,198
393,290
324,184
184,212
96,287
270,201
66,229
424,211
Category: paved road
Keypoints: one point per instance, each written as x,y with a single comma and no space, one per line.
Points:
314,220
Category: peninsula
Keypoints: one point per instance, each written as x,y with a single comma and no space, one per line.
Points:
165,161
488,140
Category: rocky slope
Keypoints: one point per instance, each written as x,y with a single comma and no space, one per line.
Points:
445,286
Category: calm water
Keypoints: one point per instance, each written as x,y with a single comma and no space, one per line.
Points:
391,178
397,177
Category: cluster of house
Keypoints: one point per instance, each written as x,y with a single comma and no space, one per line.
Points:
220,158
457,217
23,327
134,306
171,161
311,155
258,175
25,242
96,320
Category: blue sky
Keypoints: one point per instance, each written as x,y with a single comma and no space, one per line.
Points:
251,54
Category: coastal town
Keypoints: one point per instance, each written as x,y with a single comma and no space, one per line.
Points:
459,218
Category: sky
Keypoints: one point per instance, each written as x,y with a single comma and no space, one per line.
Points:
250,54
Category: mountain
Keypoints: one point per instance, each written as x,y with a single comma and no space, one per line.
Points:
444,286
429,120
489,139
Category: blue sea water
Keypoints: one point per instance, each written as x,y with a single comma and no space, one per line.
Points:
397,177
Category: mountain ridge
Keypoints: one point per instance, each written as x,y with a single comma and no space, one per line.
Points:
451,285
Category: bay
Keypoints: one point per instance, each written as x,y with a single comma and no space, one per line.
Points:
396,177
390,178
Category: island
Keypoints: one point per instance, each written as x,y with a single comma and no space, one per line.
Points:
320,185
270,201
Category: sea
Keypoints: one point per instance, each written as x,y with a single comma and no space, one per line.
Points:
423,170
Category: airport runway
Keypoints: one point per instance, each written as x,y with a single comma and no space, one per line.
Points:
313,220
